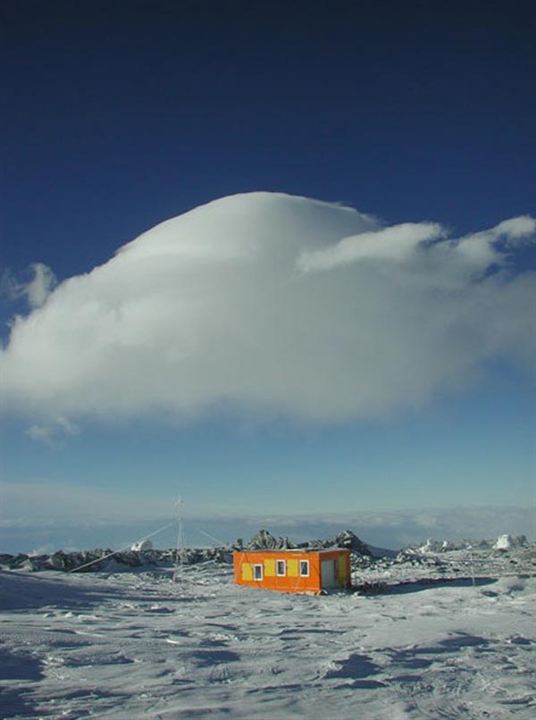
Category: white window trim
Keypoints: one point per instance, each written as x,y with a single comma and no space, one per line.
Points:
302,574
281,574
261,578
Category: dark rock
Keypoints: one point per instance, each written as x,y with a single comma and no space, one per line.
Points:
348,539
345,539
264,540
18,561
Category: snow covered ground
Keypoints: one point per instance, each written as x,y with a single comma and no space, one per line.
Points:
130,645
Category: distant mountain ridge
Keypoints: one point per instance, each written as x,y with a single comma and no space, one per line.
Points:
143,554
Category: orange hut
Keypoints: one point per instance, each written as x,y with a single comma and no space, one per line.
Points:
303,571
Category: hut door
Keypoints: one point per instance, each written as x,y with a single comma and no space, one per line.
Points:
327,568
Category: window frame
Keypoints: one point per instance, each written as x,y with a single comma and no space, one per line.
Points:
308,566
277,566
256,567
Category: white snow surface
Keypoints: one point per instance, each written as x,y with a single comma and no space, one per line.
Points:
138,645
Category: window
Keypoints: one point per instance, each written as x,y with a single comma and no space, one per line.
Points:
304,568
281,568
257,572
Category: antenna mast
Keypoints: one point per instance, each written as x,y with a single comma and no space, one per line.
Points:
180,541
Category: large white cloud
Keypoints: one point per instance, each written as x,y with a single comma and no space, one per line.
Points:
273,304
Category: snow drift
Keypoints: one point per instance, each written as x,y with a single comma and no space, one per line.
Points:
137,645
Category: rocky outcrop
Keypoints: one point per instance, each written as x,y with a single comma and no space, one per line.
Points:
507,542
143,555
345,539
264,540
103,559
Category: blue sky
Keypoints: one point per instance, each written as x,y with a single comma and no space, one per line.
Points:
121,116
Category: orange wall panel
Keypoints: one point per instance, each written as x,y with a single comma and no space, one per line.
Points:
292,581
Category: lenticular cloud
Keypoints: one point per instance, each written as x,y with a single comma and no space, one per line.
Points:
273,304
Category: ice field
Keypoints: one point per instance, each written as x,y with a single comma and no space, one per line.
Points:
119,645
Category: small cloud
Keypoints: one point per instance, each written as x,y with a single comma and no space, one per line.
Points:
8,285
486,247
66,426
40,287
396,243
35,290
41,433
51,432
518,228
